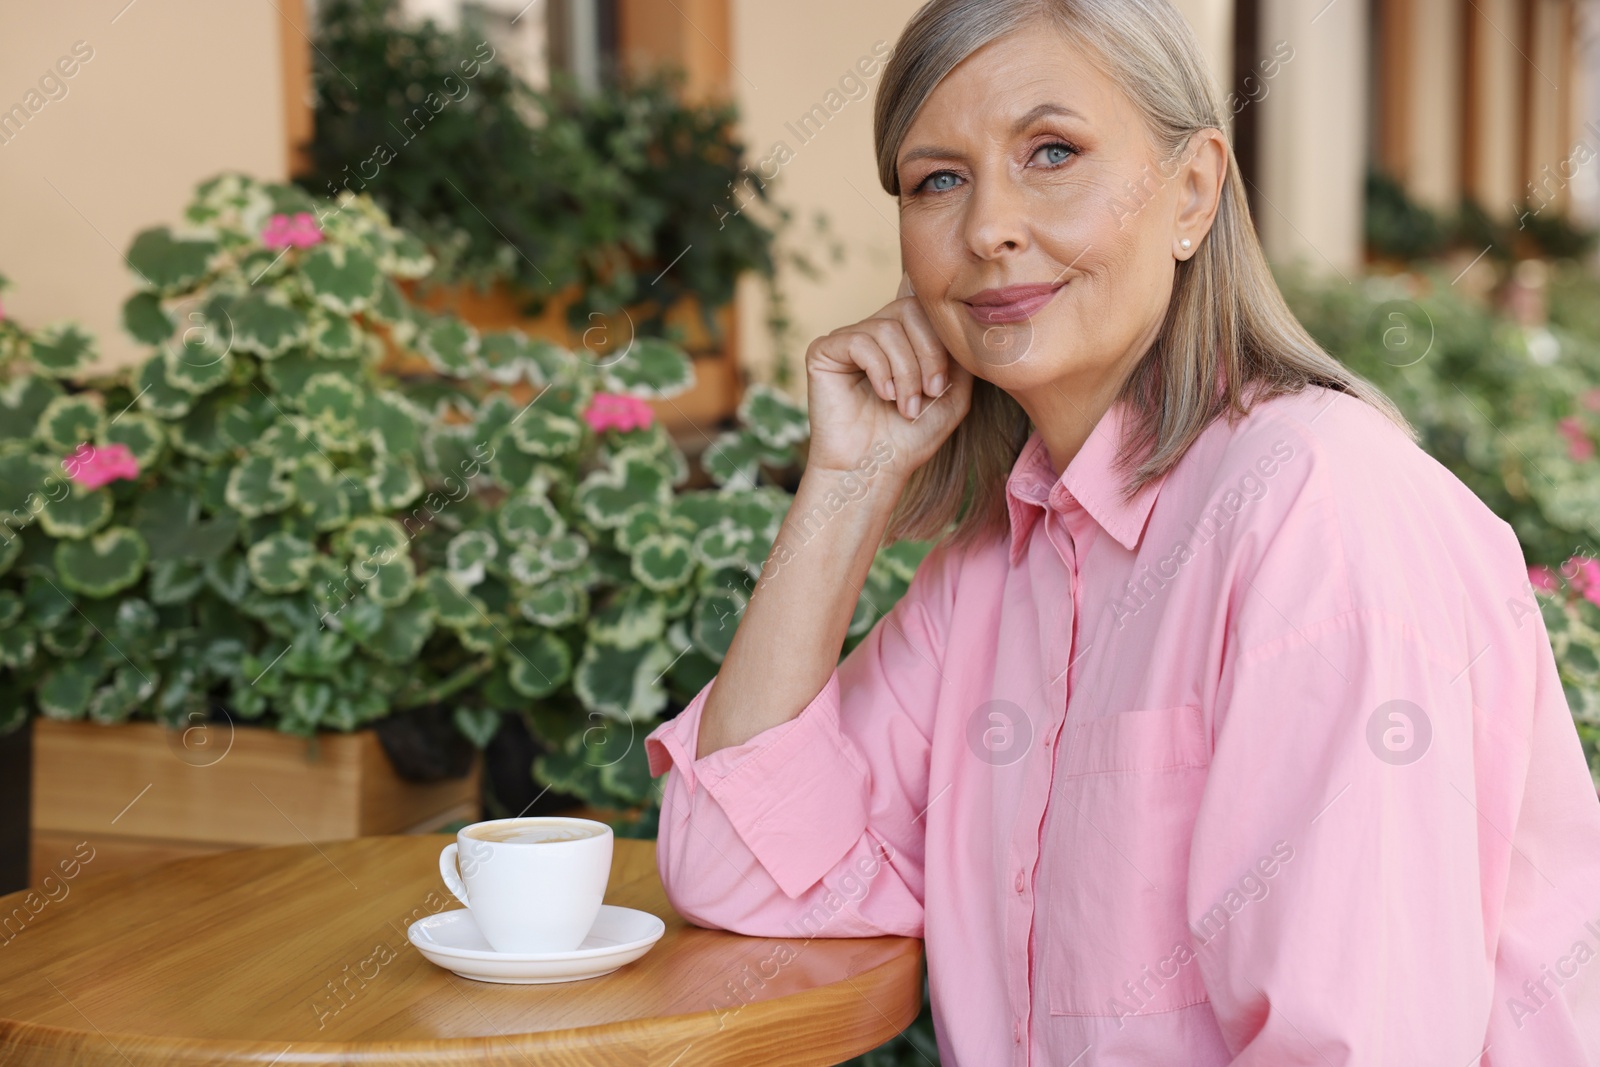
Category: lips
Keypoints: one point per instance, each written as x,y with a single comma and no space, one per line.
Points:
1014,303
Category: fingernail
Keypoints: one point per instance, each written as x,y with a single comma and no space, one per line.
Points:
936,384
913,406
888,390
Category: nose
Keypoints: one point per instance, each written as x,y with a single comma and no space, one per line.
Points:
997,220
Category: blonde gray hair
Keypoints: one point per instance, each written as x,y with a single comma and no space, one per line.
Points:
1228,341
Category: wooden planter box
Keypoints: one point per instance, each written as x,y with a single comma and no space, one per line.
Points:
137,795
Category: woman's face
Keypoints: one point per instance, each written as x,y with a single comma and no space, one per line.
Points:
1027,166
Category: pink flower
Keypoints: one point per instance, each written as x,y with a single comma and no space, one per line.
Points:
613,411
1579,446
285,231
93,467
1585,577
1543,579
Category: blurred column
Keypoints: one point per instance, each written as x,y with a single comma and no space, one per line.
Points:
692,35
1313,124
1548,164
1492,151
1419,106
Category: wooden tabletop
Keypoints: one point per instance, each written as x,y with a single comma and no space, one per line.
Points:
298,955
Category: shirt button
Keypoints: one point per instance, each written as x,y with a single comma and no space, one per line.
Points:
1021,882
1016,1031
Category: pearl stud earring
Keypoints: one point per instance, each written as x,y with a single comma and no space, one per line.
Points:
1184,244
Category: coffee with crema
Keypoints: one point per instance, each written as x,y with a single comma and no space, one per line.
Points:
534,834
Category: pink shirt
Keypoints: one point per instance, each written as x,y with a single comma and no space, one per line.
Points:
1269,765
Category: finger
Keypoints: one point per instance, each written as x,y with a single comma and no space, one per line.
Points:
862,350
905,286
892,340
932,356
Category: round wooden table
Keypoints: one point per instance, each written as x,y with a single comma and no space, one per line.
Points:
299,956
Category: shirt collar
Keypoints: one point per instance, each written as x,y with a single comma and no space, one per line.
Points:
1091,479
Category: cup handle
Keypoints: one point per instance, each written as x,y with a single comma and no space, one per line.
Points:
447,870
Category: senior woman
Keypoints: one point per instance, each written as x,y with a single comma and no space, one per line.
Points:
1221,725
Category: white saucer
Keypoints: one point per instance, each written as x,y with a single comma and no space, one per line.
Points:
453,941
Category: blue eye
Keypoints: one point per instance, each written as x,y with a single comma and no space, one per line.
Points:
939,181
1056,153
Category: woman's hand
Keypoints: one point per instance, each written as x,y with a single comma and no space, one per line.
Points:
886,379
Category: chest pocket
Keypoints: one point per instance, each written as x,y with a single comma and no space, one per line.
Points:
1122,813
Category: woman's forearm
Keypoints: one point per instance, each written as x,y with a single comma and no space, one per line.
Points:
789,638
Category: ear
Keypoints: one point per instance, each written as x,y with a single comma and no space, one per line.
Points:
1200,179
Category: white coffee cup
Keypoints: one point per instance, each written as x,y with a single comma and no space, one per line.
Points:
533,885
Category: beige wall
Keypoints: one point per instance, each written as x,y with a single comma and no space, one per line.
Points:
787,58
175,91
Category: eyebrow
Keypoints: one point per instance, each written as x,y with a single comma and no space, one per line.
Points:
1028,118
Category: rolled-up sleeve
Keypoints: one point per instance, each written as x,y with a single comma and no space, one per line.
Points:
811,827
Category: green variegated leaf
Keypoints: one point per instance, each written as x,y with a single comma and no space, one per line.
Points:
71,639
258,486
169,264
145,319
64,693
288,374
63,351
393,483
10,549
773,418
308,702
506,359
526,565
319,489
345,280
373,538
541,433
280,563
335,336
450,345
564,553
78,513
174,581
393,423
140,434
229,576
198,433
623,683
392,582
11,609
629,620
467,556
18,646
553,362
479,725
558,602
713,621
734,459
197,366
664,561
333,404
528,518
157,394
723,545
403,632
650,367
22,400
265,323
106,563
453,606
538,663
69,421
632,481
